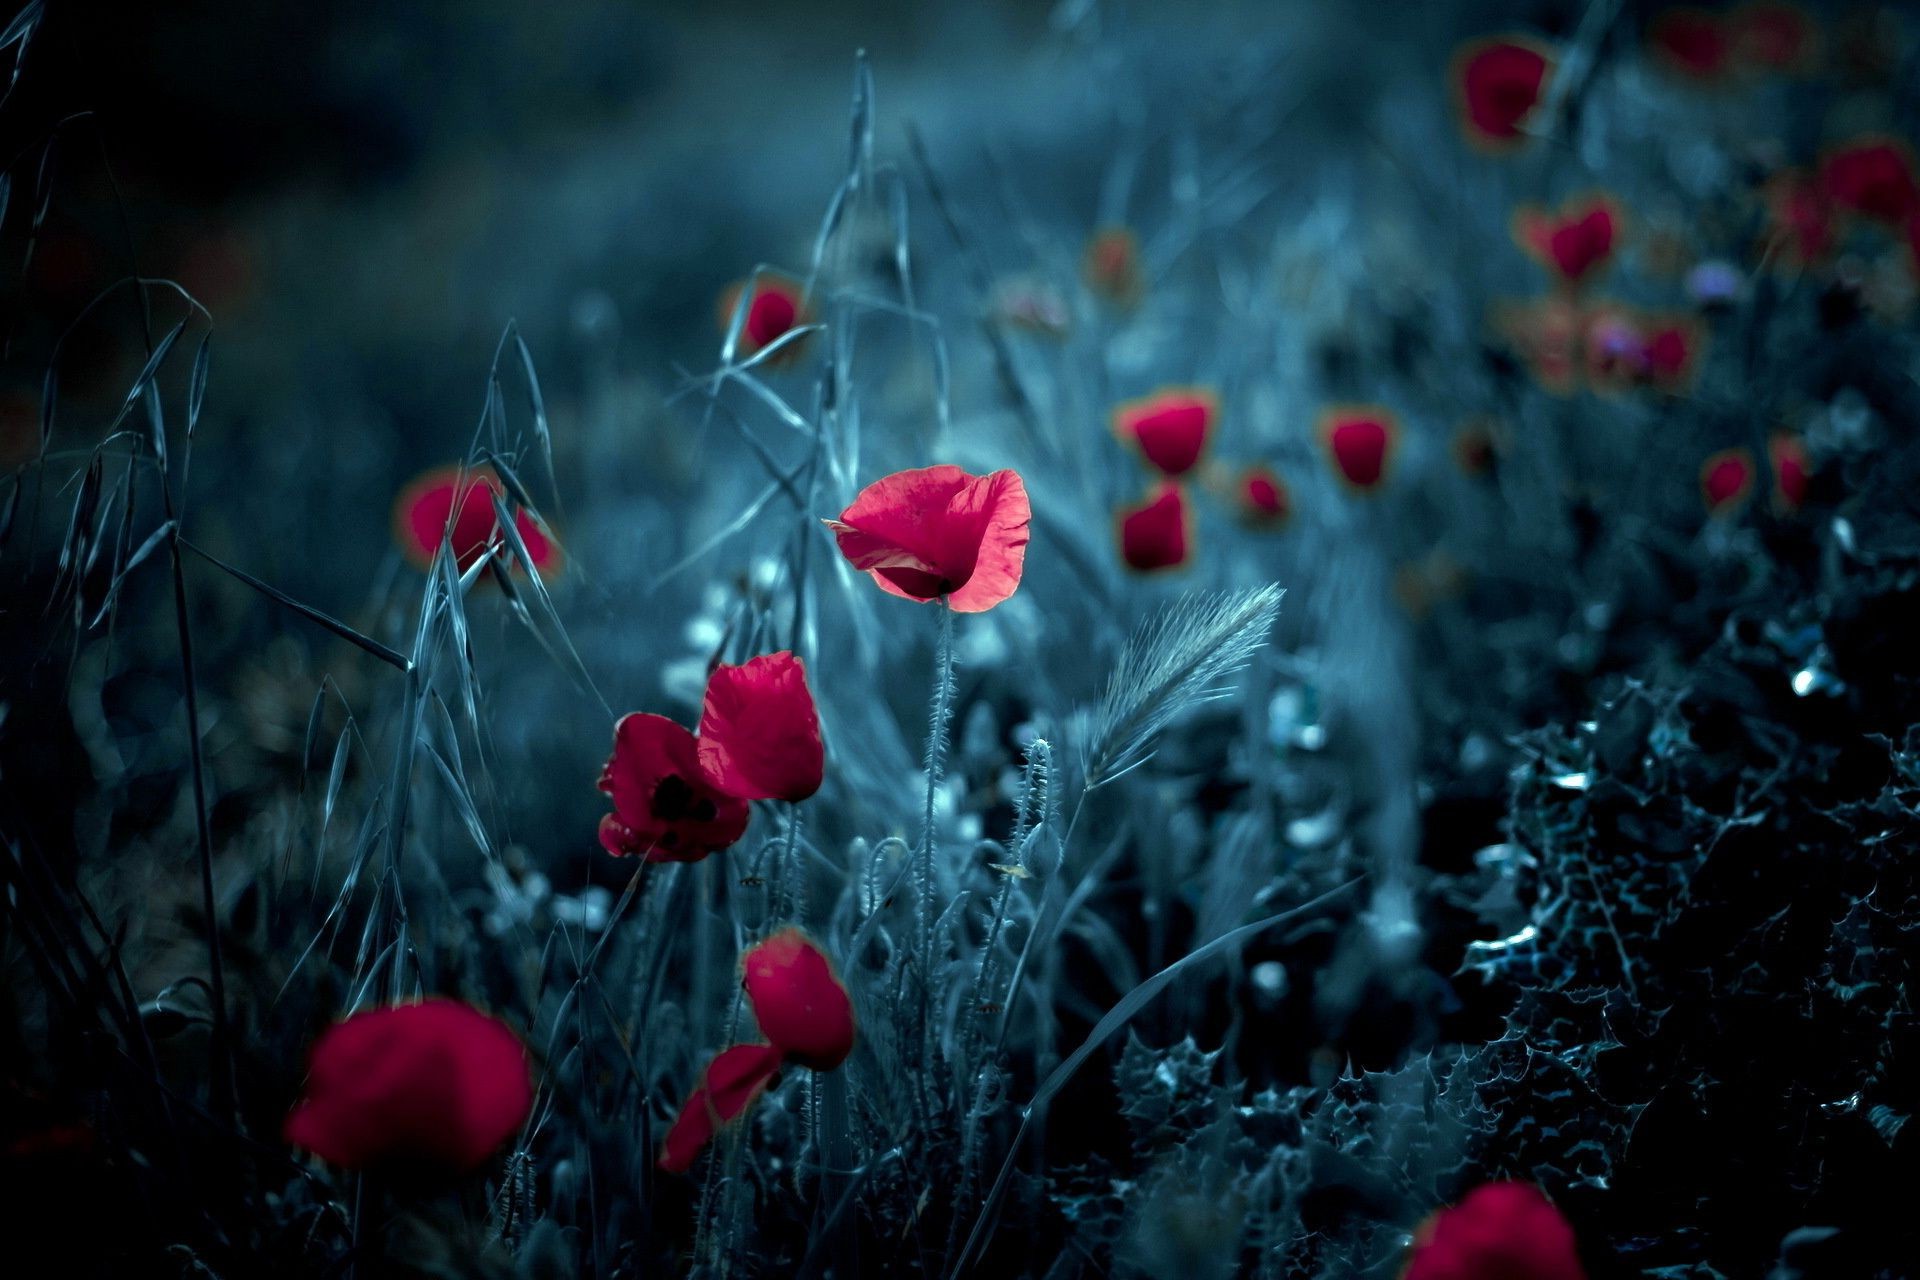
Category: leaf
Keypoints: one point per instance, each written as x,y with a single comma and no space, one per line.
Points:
306,611
1104,1030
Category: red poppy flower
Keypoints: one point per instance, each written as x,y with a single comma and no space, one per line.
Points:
1773,35
1263,497
1157,533
1169,427
799,1001
1800,220
1788,455
1725,480
759,731
1508,1230
938,531
420,520
665,807
1573,243
1497,83
1111,266
1694,42
1872,177
777,306
1359,440
1668,353
727,1088
435,1084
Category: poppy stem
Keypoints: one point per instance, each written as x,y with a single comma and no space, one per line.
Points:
924,877
793,876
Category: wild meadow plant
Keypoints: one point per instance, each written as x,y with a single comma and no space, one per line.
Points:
1228,737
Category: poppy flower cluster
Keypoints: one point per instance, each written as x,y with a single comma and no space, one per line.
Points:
807,1017
456,503
1606,346
435,1086
1870,181
1705,45
1169,430
679,796
1727,478
938,533
777,306
1626,348
1508,1230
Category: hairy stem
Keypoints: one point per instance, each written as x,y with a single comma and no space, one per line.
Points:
924,876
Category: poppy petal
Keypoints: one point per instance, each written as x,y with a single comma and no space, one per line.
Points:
1498,83
1169,428
799,1001
665,808
1573,243
1111,266
436,1083
1263,497
1360,444
1154,535
1507,1229
1725,480
1873,177
728,1086
1694,42
760,732
1791,470
989,522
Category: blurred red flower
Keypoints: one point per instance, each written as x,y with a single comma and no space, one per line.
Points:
678,797
1669,350
421,513
1156,534
778,305
665,807
1111,266
1788,455
799,1001
1263,497
1497,84
937,531
759,730
807,1017
1800,220
1573,243
1169,427
728,1086
1359,440
1773,35
1726,479
436,1084
1499,1231
1872,177
1695,42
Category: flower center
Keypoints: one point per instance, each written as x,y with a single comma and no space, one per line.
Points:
675,801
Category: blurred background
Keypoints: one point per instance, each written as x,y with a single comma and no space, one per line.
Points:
1546,677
